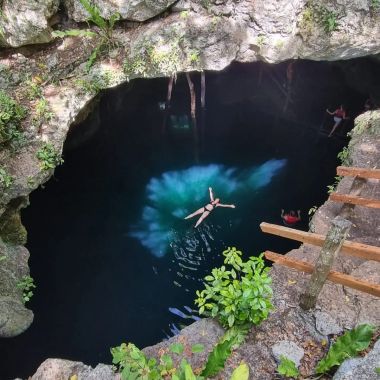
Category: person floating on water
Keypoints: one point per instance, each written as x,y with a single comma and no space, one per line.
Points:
205,211
339,115
291,218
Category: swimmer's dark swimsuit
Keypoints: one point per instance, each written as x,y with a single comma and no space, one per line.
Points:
210,205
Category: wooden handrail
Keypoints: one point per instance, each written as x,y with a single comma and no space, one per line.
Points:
350,248
336,277
353,199
359,172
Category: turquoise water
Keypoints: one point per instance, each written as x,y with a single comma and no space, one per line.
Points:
111,254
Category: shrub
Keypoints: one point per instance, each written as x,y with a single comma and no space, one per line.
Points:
26,284
239,294
49,157
6,179
11,115
287,367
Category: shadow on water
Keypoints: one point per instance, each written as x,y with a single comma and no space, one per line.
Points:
111,254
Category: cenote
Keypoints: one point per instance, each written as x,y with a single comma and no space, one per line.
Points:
112,256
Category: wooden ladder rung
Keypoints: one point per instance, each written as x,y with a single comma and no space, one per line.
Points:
359,172
333,276
350,248
355,200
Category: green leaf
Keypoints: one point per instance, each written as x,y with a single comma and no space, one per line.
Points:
231,320
177,348
287,367
197,348
217,358
167,360
346,346
72,33
241,372
189,374
95,14
377,370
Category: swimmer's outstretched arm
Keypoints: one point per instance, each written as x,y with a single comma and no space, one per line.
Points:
222,205
211,194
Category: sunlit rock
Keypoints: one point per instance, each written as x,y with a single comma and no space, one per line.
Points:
134,10
24,22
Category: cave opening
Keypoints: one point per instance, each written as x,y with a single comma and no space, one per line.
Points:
112,256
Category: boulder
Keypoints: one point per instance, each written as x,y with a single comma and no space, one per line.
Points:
25,22
288,349
360,368
133,10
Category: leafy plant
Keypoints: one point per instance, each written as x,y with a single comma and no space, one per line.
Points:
133,364
72,33
374,4
217,358
26,284
11,115
106,26
239,295
343,156
287,367
241,372
49,157
377,370
312,210
346,346
331,188
6,179
330,21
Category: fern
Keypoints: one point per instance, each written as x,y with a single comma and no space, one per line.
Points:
95,15
91,60
346,346
72,33
217,358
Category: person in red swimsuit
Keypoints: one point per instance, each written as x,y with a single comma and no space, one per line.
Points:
205,211
339,115
291,218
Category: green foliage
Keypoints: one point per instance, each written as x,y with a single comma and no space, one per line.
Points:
160,56
331,188
94,83
73,33
287,367
343,156
241,372
329,19
377,370
312,210
316,14
239,294
217,358
133,364
374,5
11,115
49,157
6,179
26,284
34,90
106,27
346,346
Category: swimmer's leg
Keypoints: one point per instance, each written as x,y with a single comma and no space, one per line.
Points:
202,218
196,213
334,127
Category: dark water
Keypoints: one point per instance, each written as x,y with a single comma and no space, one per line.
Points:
110,251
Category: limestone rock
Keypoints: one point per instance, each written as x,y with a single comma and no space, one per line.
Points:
288,349
134,10
325,324
15,318
24,22
59,369
360,368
